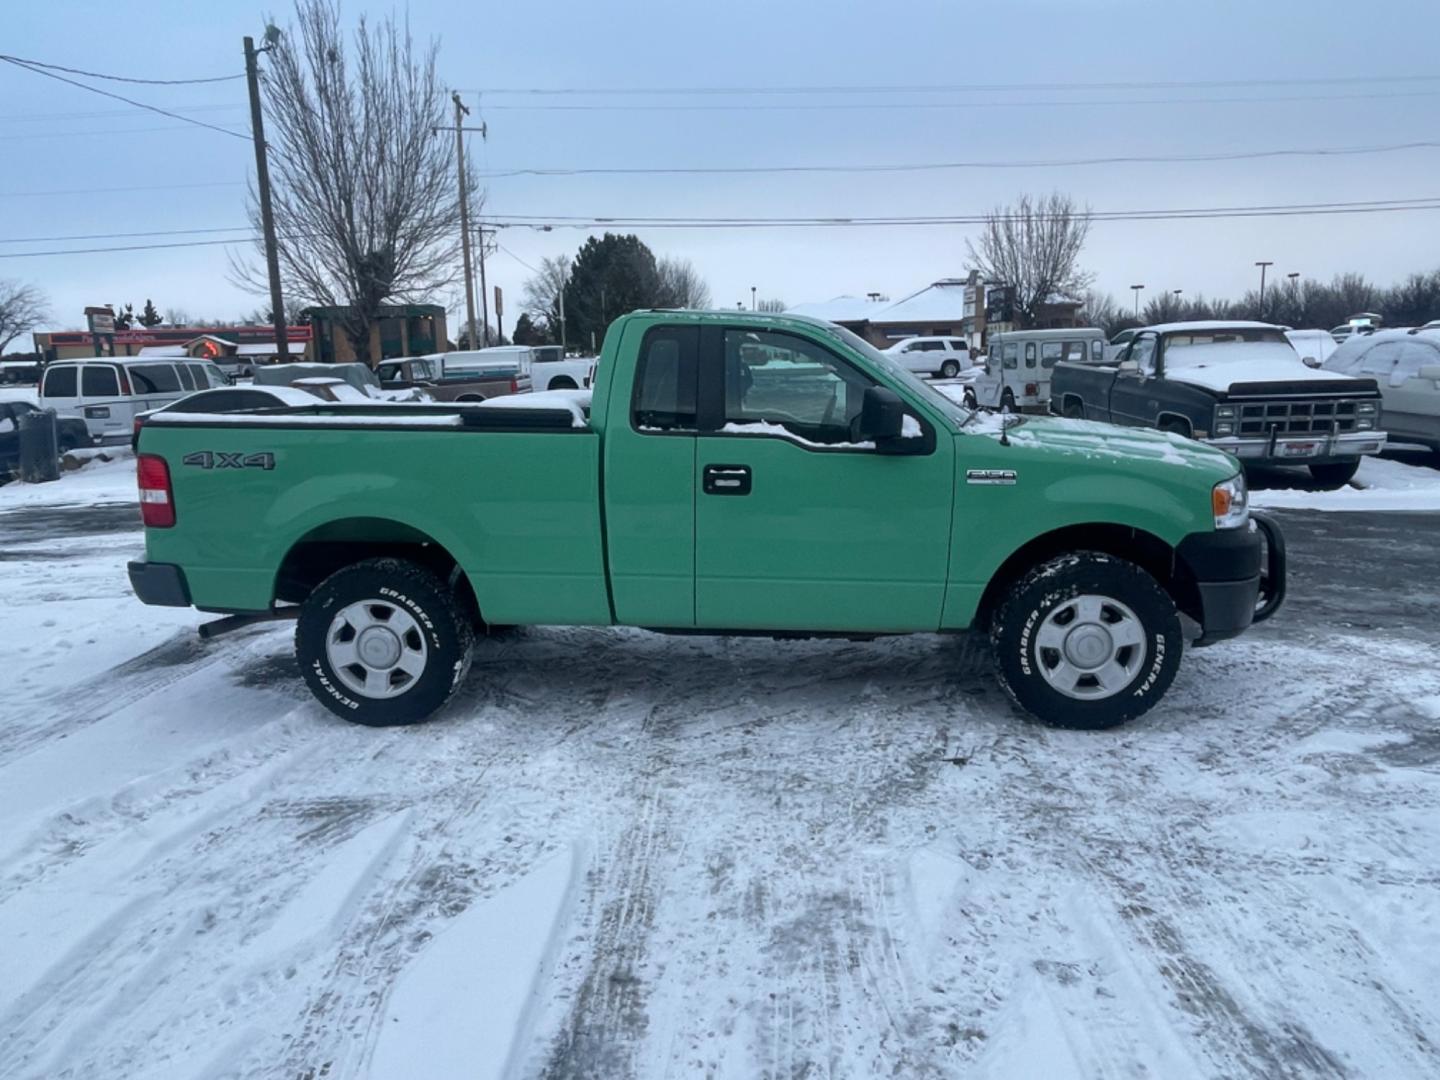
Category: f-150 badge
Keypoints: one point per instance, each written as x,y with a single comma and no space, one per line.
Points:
990,476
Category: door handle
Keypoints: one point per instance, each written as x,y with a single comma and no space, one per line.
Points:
726,479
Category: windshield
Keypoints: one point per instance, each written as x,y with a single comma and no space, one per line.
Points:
1202,348
954,411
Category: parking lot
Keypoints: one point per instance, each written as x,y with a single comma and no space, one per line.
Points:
619,853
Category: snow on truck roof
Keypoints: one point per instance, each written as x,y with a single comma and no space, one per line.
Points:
1201,325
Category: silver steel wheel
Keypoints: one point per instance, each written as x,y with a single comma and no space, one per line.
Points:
376,648
1090,647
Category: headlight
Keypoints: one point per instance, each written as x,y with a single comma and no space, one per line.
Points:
1366,408
1225,412
1224,429
1230,502
1364,425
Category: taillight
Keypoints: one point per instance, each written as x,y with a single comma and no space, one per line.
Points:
135,431
124,381
157,503
1031,389
514,386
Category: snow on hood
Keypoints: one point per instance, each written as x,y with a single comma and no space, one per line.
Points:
1222,365
1092,438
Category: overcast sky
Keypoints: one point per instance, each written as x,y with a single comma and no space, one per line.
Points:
58,139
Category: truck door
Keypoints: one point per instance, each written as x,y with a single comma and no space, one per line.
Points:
1133,394
650,483
798,524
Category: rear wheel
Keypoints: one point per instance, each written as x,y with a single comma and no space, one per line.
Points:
383,642
562,382
969,396
1087,641
949,369
1007,401
1175,427
1074,409
1336,474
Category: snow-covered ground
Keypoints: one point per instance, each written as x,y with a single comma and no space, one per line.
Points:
1381,484
20,393
619,854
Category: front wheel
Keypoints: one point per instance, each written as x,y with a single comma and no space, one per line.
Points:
1336,474
382,642
969,396
949,369
1086,640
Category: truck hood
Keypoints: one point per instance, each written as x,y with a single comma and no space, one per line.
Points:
1097,442
1227,375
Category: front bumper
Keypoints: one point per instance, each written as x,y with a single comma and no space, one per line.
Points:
159,584
1238,576
1302,449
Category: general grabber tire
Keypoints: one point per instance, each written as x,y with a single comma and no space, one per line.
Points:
383,642
1086,640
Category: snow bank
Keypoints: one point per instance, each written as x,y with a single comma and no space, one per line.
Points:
1381,484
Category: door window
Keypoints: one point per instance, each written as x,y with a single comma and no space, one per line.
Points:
1380,360
958,346
187,378
665,380
1029,354
1413,356
1142,351
98,380
932,346
1050,352
773,378
1011,354
155,379
59,382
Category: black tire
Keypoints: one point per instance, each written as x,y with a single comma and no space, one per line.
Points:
1052,588
969,396
68,443
473,399
1176,427
419,597
562,382
1334,475
1007,400
1074,409
949,369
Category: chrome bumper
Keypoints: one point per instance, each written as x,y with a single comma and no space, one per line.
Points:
1303,448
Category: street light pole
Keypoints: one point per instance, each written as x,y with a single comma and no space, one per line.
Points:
752,297
262,184
1136,289
1262,264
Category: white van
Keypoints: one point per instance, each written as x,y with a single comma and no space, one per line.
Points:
1018,365
107,392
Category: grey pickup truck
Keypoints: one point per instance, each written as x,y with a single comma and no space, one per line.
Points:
448,383
1239,386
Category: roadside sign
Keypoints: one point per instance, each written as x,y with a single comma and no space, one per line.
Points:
499,303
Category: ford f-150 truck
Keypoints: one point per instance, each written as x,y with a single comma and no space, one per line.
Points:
728,473
1236,385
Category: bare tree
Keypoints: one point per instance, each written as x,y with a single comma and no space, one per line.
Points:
364,186
681,285
541,296
1034,247
22,307
772,306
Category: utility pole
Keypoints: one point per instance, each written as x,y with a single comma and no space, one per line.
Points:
484,295
752,297
562,315
1262,264
460,112
262,183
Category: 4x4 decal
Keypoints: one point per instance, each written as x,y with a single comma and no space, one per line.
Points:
219,459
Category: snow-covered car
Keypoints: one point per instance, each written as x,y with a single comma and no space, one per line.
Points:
943,356
1405,365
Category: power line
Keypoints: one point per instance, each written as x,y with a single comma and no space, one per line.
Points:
111,190
943,89
1244,155
831,106
512,254
121,78
116,235
1190,214
101,114
88,134
127,101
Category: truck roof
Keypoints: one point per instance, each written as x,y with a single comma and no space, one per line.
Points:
1209,324
758,319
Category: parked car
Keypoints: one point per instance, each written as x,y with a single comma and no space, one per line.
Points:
549,370
72,433
1405,364
468,378
1017,368
830,492
942,356
1239,386
108,392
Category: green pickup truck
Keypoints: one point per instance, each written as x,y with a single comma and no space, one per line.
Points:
727,474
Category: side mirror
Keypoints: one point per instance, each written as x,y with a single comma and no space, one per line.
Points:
1129,367
1430,371
1310,362
882,415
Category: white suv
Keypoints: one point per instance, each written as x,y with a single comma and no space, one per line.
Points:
943,356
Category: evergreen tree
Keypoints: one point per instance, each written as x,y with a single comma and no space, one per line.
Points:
124,317
149,317
611,276
527,333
